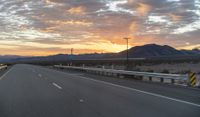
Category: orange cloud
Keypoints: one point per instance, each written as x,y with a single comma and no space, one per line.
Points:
190,46
143,9
57,24
70,22
49,29
77,10
36,49
134,26
134,40
48,1
175,17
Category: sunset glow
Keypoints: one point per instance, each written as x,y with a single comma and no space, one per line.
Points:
46,27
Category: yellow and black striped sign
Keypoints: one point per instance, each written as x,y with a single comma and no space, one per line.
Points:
192,79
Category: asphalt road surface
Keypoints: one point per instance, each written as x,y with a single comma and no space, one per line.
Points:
34,91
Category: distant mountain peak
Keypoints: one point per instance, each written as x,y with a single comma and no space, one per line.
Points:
151,50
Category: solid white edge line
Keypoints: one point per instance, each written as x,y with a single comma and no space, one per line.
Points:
133,89
56,85
145,92
6,73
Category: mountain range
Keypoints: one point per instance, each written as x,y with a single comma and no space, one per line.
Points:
145,51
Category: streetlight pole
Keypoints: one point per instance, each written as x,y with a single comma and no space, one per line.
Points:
127,53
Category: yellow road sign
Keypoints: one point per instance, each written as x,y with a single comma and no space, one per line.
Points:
192,79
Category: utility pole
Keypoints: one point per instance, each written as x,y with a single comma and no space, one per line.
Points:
72,49
127,53
71,56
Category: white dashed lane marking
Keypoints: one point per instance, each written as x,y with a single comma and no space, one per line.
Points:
40,75
57,86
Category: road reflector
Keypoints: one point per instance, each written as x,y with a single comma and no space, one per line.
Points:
192,79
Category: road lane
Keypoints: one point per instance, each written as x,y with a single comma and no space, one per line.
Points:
22,94
179,92
59,76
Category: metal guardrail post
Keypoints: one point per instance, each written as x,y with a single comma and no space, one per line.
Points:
161,80
141,78
172,81
150,78
112,67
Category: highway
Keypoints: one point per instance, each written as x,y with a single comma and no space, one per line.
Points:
34,91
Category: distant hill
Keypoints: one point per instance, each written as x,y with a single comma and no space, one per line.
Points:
145,51
58,57
151,50
191,52
9,57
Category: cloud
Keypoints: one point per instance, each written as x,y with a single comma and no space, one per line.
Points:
77,10
135,26
195,24
195,46
90,24
175,17
143,9
70,22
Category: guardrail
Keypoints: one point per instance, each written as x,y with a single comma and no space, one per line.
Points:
147,76
3,67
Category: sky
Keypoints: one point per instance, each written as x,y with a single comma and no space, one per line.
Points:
47,27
